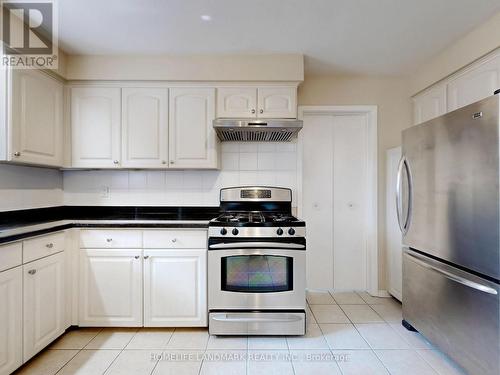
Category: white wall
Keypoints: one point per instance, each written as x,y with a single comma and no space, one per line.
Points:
472,46
220,67
27,187
242,164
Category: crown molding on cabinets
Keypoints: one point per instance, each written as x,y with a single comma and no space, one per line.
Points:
175,84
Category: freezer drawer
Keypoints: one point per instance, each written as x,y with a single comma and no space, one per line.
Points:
455,310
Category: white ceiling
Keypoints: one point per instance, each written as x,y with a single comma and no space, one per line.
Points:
345,36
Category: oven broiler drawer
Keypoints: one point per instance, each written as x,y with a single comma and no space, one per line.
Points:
257,323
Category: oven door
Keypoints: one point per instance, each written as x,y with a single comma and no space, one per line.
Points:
253,278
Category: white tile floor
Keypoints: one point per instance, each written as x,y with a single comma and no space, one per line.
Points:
348,333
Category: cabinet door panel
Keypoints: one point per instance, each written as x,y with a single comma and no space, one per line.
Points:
145,128
95,126
277,102
233,102
175,288
192,139
36,115
11,328
474,84
111,288
429,104
44,305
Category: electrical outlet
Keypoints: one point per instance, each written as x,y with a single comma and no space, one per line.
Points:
105,192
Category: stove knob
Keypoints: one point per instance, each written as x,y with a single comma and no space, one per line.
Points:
279,232
291,231
235,231
223,231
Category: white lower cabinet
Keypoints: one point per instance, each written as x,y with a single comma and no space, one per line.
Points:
44,306
110,288
175,287
11,328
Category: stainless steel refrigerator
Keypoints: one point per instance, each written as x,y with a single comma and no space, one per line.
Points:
448,209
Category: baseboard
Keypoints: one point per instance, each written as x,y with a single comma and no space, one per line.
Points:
383,293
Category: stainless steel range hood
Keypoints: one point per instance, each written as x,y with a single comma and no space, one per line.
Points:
253,130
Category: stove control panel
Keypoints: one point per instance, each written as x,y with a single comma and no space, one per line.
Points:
257,232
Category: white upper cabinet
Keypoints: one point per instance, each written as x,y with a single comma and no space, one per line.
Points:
36,114
95,127
253,102
475,83
44,302
234,102
277,102
11,316
192,139
144,127
429,104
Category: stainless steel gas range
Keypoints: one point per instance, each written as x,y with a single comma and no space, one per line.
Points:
256,264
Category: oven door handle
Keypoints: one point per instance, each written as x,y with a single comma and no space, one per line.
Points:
274,245
236,318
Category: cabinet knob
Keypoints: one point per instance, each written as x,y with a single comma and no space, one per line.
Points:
163,162
174,239
137,257
17,154
146,256
171,162
253,111
261,111
116,162
32,272
50,245
109,239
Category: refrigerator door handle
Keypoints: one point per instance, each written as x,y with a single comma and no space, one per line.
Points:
421,260
403,222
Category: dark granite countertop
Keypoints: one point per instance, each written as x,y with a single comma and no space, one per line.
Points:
15,225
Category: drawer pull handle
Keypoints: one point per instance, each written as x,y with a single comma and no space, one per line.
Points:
109,239
146,256
137,257
174,240
32,272
50,245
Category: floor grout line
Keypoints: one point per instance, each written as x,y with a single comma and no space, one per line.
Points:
121,351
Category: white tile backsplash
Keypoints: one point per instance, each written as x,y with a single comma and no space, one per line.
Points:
248,161
242,164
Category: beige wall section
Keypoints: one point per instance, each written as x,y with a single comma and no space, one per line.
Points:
392,97
462,52
278,67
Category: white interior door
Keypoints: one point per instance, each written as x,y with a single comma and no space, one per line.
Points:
335,192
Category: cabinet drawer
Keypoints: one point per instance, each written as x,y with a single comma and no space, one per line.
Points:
175,239
11,255
110,239
40,247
